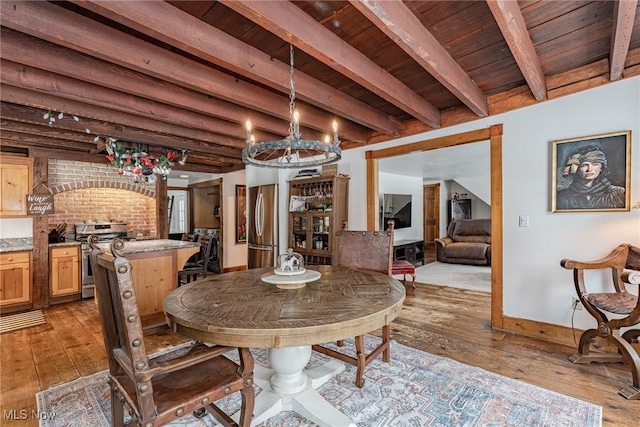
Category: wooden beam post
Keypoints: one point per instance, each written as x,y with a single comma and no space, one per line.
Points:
40,253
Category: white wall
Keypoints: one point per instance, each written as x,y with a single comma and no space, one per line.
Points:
479,209
235,254
397,184
535,286
16,227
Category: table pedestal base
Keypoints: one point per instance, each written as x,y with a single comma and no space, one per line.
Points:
285,387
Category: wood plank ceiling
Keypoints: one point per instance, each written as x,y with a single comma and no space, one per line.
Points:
187,74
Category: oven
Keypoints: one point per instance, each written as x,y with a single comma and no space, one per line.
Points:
106,231
87,281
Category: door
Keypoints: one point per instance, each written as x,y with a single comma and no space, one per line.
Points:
431,219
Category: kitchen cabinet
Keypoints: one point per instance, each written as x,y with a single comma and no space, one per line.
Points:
206,204
15,183
154,269
317,209
15,278
64,270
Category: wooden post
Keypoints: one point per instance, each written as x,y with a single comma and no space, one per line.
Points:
162,209
40,253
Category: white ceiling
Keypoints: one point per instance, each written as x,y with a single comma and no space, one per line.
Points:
462,161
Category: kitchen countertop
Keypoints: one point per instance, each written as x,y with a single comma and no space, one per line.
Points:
140,246
16,244
67,243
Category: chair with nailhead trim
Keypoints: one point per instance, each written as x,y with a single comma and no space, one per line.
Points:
156,391
364,250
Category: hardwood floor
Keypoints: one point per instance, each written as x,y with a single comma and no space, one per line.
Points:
446,321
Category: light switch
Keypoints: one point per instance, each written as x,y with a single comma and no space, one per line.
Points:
524,220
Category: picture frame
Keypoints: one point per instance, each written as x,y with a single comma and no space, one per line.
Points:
592,173
241,214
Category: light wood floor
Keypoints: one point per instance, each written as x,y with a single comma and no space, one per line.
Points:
445,321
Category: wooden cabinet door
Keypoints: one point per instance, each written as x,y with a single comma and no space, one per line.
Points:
65,271
15,184
15,278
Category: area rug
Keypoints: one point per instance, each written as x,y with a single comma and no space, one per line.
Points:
475,277
414,389
21,320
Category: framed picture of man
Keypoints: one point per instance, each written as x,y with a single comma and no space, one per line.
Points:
592,174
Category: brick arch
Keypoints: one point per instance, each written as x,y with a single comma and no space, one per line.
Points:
148,191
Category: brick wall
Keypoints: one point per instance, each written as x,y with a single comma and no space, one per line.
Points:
93,191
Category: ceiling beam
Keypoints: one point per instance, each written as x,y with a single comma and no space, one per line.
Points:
31,118
52,153
62,27
224,145
50,136
514,30
8,134
403,27
290,23
45,132
164,22
624,13
27,50
26,77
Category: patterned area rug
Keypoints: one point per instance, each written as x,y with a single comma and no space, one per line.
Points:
414,389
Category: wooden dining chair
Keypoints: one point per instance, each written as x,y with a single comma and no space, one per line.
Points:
364,250
156,391
198,265
613,309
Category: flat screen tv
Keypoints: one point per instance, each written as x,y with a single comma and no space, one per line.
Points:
396,207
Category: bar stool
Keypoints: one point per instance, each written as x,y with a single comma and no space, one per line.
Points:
404,267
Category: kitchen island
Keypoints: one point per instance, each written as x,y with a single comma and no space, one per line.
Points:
154,267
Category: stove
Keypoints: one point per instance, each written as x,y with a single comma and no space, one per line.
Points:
106,231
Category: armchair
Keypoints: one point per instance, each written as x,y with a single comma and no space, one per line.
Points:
612,310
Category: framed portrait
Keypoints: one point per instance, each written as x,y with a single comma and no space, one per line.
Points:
592,173
241,213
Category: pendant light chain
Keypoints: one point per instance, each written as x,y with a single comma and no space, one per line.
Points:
292,151
292,92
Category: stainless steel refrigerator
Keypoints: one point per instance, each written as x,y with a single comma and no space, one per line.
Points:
262,240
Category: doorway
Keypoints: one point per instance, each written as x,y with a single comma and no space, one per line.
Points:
492,134
178,212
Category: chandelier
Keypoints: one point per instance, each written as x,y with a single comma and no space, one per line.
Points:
292,151
137,164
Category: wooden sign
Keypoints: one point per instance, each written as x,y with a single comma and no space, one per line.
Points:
330,170
39,204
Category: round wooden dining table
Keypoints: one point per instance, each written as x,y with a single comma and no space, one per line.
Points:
239,309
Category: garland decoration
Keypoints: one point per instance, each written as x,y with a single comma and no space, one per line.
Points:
138,164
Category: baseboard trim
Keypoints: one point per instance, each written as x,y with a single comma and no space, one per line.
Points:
234,268
541,330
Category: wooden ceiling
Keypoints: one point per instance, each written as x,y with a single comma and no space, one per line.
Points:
187,74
